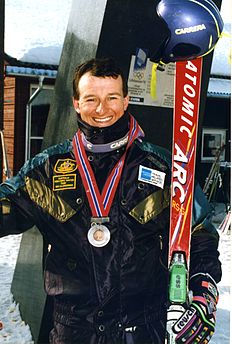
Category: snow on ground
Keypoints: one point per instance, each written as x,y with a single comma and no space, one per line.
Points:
222,333
224,322
15,331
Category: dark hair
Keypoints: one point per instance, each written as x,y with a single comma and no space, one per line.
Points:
99,67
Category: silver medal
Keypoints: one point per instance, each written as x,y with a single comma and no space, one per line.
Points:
98,235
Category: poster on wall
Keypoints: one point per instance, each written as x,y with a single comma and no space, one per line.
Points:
140,78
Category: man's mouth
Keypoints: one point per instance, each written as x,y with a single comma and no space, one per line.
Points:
102,120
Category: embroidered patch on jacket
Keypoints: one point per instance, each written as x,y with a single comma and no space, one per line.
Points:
65,166
65,182
151,176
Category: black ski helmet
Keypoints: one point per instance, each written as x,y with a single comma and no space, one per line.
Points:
194,28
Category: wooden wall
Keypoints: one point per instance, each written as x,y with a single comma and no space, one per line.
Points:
9,119
16,97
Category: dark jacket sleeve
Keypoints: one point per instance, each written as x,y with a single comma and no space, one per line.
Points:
204,256
14,219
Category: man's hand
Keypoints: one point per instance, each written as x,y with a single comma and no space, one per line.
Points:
196,325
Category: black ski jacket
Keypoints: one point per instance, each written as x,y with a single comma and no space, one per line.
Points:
122,287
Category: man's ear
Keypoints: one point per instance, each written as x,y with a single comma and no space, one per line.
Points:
126,102
76,105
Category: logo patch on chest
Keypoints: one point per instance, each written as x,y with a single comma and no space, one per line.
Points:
151,176
65,166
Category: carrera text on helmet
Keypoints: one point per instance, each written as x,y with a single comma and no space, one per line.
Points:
190,29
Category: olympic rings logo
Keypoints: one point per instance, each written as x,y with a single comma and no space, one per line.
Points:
138,75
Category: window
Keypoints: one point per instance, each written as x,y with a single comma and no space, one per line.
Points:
37,118
213,143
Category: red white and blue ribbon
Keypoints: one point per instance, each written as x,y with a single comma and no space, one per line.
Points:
100,203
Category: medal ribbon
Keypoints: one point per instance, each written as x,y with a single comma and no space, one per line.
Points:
100,204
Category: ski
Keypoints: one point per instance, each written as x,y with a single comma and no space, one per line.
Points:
224,226
185,126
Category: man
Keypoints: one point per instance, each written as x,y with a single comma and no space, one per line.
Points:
107,229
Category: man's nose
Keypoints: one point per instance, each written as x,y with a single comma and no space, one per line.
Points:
101,107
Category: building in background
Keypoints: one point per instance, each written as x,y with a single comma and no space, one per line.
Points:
215,137
28,90
34,37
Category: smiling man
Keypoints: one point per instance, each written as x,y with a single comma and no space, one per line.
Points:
101,201
101,101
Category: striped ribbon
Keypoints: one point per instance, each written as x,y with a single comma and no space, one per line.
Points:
100,203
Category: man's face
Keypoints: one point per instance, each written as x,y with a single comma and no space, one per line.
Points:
101,102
